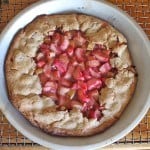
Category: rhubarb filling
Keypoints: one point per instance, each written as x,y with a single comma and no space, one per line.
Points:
72,75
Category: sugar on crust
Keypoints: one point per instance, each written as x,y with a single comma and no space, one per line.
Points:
25,88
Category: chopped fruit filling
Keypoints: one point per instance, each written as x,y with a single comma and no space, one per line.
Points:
72,75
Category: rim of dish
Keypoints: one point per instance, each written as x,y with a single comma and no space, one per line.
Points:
96,145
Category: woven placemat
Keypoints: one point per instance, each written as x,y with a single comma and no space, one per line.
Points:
138,9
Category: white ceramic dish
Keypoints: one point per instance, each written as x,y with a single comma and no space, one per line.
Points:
139,48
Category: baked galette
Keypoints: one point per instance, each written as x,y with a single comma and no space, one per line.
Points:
70,75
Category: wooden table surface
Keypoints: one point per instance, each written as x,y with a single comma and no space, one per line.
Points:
139,138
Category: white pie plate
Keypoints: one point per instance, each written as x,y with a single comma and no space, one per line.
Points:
139,47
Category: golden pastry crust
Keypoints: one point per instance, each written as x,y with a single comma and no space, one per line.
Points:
24,86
